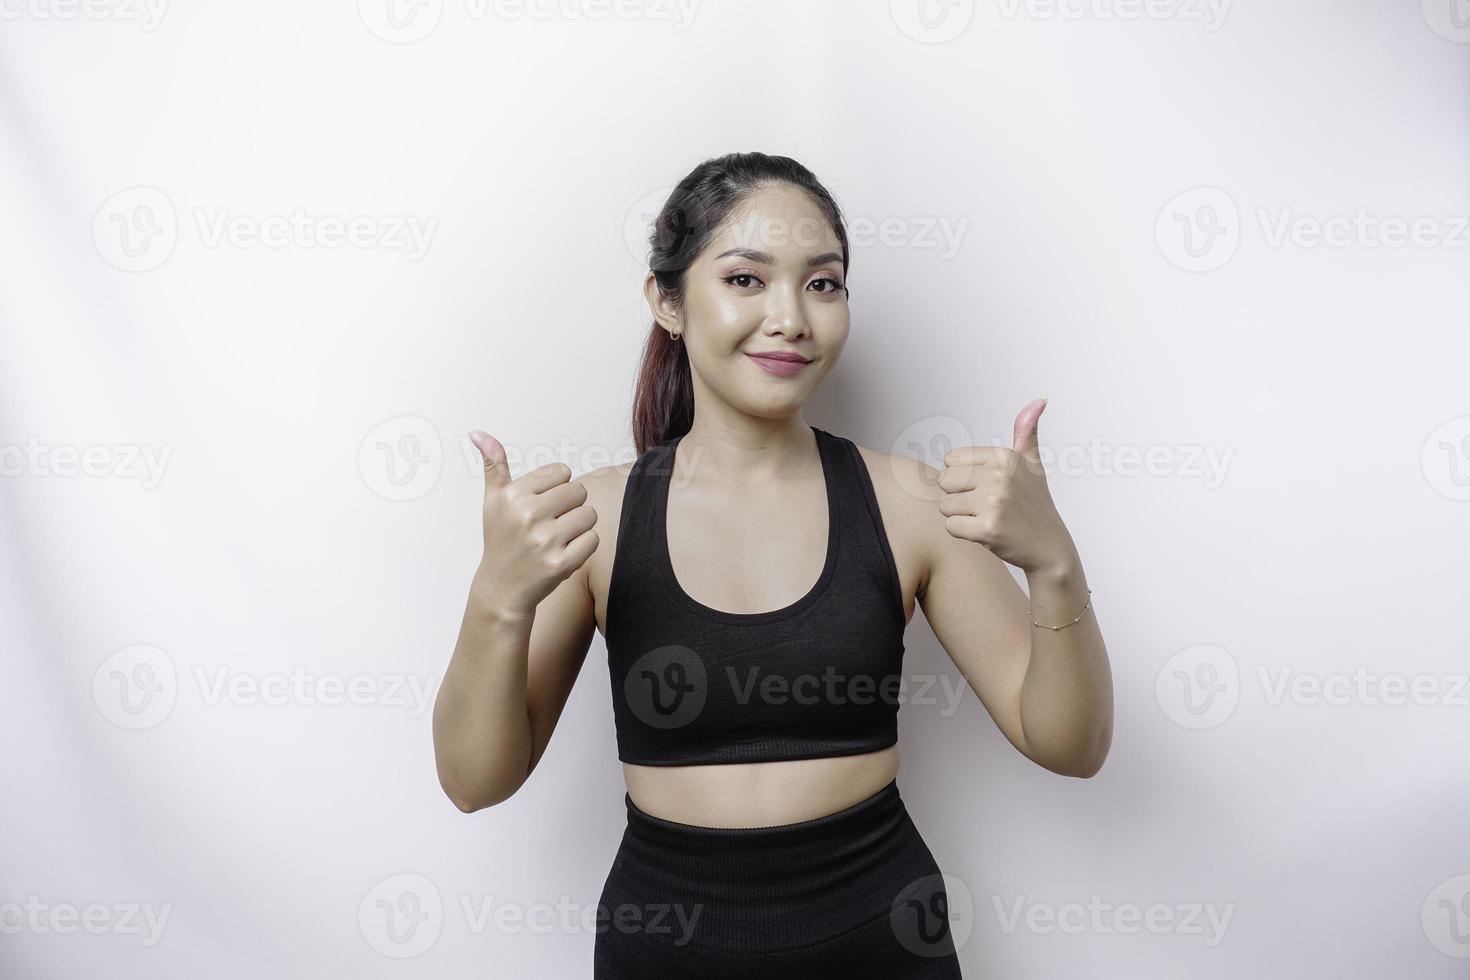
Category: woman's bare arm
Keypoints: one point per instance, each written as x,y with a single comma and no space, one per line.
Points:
527,624
506,685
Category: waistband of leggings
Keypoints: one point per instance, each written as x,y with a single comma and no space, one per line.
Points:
775,887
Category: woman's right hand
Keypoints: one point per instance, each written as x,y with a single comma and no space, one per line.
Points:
538,530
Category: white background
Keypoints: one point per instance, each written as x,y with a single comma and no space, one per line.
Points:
312,504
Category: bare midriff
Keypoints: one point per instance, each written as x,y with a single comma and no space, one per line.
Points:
759,794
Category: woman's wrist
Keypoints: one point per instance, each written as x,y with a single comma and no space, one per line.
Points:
1063,572
489,600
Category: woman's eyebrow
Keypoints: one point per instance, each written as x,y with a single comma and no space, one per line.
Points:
767,259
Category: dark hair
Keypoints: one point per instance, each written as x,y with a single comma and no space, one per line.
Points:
663,399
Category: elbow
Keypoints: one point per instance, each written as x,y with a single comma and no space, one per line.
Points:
469,804
464,803
1087,771
470,799
1077,764
1083,769
1086,766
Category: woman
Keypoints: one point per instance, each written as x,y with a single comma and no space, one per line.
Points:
753,592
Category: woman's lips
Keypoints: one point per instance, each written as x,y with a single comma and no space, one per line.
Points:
777,366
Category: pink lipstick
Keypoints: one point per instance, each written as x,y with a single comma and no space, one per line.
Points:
781,363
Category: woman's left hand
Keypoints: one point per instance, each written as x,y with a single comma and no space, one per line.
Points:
998,497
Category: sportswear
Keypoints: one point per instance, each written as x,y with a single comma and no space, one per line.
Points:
851,895
818,677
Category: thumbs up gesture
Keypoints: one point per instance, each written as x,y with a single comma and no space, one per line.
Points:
998,497
538,529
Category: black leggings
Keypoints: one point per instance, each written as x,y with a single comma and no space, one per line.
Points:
852,894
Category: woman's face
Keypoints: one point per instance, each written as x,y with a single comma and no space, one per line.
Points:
770,281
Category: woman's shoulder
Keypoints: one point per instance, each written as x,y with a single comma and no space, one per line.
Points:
606,485
904,478
908,495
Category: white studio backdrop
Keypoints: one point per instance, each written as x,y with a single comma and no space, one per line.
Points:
265,264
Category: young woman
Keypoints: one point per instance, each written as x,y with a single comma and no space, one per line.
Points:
752,576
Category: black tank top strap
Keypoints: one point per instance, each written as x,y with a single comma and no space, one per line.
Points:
862,521
635,581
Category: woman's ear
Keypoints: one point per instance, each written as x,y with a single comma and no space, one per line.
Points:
663,309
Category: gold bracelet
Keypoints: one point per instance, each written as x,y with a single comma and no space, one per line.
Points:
1064,625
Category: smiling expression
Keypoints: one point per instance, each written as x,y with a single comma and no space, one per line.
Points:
770,282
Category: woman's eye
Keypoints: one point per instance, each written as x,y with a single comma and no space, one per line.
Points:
743,280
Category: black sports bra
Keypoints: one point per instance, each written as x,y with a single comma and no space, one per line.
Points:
694,685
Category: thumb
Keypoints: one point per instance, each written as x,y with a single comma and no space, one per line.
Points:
1025,430
497,471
